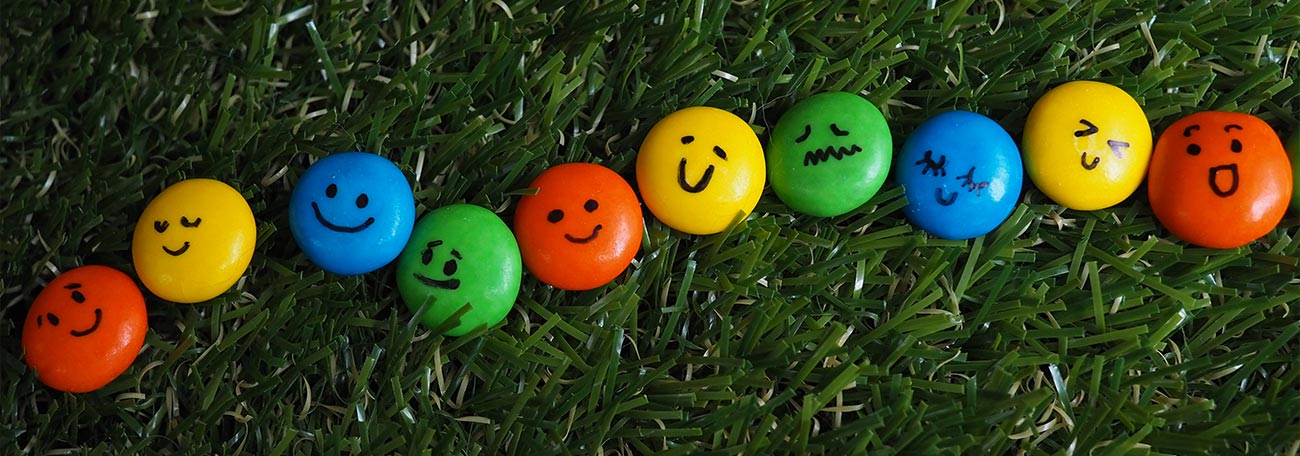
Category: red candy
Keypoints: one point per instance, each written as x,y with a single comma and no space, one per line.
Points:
1219,179
581,229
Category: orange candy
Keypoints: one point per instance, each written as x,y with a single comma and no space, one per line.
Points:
85,329
581,229
1219,179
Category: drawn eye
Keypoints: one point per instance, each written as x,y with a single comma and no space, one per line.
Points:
1091,130
363,200
688,139
1236,146
931,166
719,152
185,222
426,256
77,296
160,225
1193,149
331,190
54,319
555,216
591,205
807,130
837,131
449,268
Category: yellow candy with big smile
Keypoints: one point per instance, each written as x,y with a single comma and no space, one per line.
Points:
1087,145
700,168
193,241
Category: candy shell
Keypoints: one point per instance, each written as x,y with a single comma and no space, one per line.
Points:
84,329
581,229
193,241
1219,179
829,154
460,254
352,212
699,169
1087,145
961,173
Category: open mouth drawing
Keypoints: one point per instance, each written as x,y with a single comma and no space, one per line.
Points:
1231,170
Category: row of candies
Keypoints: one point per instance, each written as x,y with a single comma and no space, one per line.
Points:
1215,179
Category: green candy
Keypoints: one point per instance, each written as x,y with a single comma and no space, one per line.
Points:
829,154
1293,152
460,254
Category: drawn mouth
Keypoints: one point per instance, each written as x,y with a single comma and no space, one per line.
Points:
594,232
179,251
99,315
814,157
449,284
342,229
1083,160
699,186
1214,180
938,196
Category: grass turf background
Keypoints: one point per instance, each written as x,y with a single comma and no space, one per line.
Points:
1062,331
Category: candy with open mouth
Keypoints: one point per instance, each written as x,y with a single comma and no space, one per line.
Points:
829,154
84,329
961,173
1219,179
1087,145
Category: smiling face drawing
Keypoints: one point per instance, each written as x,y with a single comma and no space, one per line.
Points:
581,229
460,255
961,174
699,169
1219,179
829,154
1087,145
352,213
193,241
84,329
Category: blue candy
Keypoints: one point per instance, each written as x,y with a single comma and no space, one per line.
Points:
961,173
352,212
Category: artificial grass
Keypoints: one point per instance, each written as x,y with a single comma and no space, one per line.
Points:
1060,332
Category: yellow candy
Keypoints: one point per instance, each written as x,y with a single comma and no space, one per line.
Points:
1087,145
193,241
699,169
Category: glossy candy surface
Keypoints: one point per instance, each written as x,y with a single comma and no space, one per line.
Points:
352,212
85,328
699,169
460,254
1219,179
193,241
829,154
1087,145
961,173
581,229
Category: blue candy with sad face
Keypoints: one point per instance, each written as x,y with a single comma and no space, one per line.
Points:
961,173
352,212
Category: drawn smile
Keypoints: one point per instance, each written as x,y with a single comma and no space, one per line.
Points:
1214,180
1083,160
342,229
449,284
946,201
179,251
99,315
699,186
594,232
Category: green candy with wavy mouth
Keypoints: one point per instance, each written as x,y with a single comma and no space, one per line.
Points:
460,254
829,154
